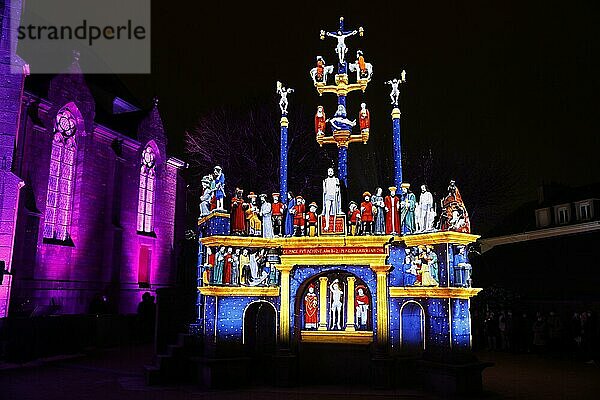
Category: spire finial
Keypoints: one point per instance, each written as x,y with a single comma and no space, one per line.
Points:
155,101
76,55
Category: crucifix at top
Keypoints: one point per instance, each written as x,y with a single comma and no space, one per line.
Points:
341,49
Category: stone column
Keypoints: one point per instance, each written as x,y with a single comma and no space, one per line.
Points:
397,147
383,317
284,310
322,304
350,305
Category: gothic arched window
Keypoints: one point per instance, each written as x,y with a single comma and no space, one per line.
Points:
59,200
146,192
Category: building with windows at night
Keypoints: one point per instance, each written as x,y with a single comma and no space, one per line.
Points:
554,234
90,201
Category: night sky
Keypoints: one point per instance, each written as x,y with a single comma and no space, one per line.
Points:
510,86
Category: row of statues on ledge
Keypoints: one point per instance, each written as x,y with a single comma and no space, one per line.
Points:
238,267
394,214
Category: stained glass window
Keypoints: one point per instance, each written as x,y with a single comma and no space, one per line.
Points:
146,190
60,180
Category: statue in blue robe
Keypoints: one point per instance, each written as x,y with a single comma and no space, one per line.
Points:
408,203
289,218
219,265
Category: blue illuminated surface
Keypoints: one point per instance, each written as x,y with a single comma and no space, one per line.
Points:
461,323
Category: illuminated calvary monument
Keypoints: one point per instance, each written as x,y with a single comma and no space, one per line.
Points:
341,125
383,295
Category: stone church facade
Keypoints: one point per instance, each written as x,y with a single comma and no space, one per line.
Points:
87,210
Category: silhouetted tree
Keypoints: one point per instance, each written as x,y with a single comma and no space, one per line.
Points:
245,142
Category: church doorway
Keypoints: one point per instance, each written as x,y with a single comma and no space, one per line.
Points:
412,329
260,333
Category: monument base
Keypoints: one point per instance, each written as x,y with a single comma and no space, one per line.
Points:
285,365
448,378
337,225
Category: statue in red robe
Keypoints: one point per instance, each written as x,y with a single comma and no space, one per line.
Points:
227,267
364,118
392,212
362,66
366,214
238,220
320,68
361,304
311,308
299,211
320,121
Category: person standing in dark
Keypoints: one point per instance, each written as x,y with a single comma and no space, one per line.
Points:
539,333
146,312
491,331
588,333
554,331
575,333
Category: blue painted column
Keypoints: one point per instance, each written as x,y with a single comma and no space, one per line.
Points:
283,161
343,165
342,151
397,147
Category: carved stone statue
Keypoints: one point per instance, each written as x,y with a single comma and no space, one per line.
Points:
364,70
332,202
320,121
321,71
311,308
364,117
361,301
425,212
335,310
206,196
339,122
219,190
407,209
283,92
454,215
395,93
341,49
266,212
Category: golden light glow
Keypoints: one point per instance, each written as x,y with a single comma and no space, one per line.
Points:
322,303
232,291
338,241
284,310
383,317
340,337
437,238
434,292
350,304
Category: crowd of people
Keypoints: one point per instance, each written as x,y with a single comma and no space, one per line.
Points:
538,332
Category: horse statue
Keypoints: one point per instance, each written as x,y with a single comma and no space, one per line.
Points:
327,69
355,68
